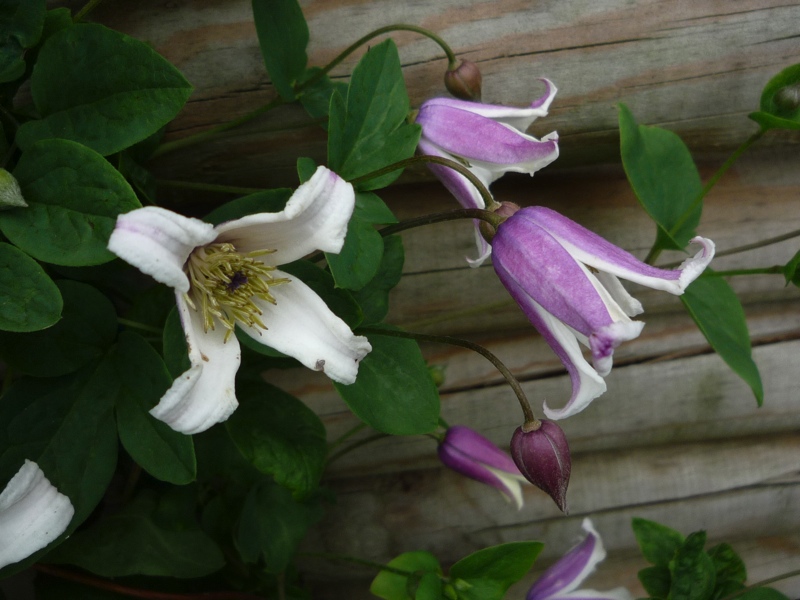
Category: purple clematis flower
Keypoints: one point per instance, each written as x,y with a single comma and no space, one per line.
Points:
489,139
561,580
564,277
227,276
469,453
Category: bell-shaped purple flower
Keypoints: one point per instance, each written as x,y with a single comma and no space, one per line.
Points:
489,139
562,579
469,453
565,279
542,455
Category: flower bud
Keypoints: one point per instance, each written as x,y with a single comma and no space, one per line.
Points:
542,455
788,98
464,82
10,194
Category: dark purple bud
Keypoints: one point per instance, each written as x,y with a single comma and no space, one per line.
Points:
542,456
464,82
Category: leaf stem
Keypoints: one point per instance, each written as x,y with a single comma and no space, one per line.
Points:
762,583
137,325
102,584
87,8
356,561
207,187
487,354
345,436
450,215
655,251
776,270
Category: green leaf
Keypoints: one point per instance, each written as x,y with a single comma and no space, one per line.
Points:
316,97
29,300
267,201
780,101
394,392
101,88
306,167
161,451
374,297
283,37
371,209
791,271
729,567
762,593
280,436
657,542
368,131
391,586
656,581
176,352
272,524
664,177
74,196
21,23
135,541
491,571
693,573
718,313
360,257
429,587
87,329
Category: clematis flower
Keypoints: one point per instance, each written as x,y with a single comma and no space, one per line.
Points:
469,453
33,513
227,276
565,279
562,579
489,139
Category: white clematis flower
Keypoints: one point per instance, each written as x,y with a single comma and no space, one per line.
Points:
227,276
32,514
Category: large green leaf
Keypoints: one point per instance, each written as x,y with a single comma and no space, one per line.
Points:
74,196
718,313
368,130
135,541
29,300
693,573
491,571
283,37
780,101
657,542
143,378
84,333
279,435
21,23
101,88
664,177
374,297
360,258
394,392
393,586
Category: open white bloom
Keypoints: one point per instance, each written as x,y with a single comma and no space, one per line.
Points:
227,276
32,514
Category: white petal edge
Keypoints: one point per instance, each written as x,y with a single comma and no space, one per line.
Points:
302,326
619,593
33,513
315,218
629,305
158,241
205,394
512,483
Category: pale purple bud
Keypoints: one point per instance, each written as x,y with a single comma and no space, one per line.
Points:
464,82
542,455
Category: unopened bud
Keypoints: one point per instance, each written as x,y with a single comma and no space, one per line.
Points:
542,456
464,82
10,194
505,210
788,98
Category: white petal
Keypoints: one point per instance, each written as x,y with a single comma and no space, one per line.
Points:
619,593
512,483
629,305
302,326
33,513
315,218
205,394
158,241
692,267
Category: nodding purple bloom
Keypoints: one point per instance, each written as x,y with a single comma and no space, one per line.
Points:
562,579
489,139
565,279
469,453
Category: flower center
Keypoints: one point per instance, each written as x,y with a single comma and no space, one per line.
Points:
224,283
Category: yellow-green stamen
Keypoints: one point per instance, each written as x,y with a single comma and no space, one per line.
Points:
224,283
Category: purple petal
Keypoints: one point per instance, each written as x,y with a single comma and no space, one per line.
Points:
593,250
478,448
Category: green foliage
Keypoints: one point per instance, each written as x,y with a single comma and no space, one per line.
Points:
791,271
316,96
279,435
29,299
692,570
374,297
663,176
657,542
142,540
393,586
266,201
489,573
730,570
368,131
283,37
21,24
780,101
101,88
86,330
74,196
394,392
718,313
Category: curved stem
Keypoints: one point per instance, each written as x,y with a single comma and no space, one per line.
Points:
207,187
759,584
450,215
356,561
776,270
87,8
346,435
488,200
488,355
747,247
654,251
103,584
